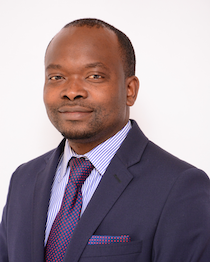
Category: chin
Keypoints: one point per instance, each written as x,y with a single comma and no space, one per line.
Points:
78,135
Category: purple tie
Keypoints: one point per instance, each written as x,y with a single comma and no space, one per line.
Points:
69,214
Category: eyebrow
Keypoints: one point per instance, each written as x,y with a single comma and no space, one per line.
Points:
87,66
53,66
96,64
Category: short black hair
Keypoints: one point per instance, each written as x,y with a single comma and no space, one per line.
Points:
127,50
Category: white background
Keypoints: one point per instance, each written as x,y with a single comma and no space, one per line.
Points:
172,43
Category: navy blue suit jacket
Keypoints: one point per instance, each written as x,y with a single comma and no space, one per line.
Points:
162,202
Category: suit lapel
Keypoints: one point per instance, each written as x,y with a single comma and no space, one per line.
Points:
115,180
44,180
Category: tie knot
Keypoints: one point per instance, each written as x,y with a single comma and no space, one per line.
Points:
79,170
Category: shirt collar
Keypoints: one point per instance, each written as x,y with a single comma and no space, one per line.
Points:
100,156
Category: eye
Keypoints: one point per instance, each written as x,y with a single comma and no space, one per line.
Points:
95,76
55,78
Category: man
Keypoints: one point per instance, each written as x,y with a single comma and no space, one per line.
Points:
139,203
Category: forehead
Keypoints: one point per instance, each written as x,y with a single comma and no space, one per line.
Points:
84,43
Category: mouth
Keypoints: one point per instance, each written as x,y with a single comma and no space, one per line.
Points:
73,113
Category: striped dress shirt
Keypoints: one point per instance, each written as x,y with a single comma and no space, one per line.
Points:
100,158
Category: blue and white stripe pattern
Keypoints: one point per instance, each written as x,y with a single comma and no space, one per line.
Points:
100,158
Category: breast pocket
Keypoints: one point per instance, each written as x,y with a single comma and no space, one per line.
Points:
117,252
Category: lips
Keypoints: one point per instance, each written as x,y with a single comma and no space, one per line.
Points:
72,109
74,112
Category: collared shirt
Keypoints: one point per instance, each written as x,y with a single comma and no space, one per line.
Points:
100,157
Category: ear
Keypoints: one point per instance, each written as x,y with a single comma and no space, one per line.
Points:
132,84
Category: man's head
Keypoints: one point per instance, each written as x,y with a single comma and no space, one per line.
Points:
125,45
89,84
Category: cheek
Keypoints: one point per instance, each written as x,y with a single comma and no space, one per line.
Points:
45,95
107,95
114,108
49,98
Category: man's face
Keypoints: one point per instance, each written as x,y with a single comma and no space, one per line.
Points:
85,90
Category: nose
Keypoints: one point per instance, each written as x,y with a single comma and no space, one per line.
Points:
74,89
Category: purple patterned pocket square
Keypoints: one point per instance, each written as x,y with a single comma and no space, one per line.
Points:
98,240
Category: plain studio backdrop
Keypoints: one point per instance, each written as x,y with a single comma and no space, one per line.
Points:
172,44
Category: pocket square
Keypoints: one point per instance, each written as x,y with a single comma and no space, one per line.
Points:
98,240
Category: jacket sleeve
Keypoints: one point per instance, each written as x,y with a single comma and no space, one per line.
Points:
183,232
3,239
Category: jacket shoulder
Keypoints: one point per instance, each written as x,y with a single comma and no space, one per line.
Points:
36,163
40,161
29,169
